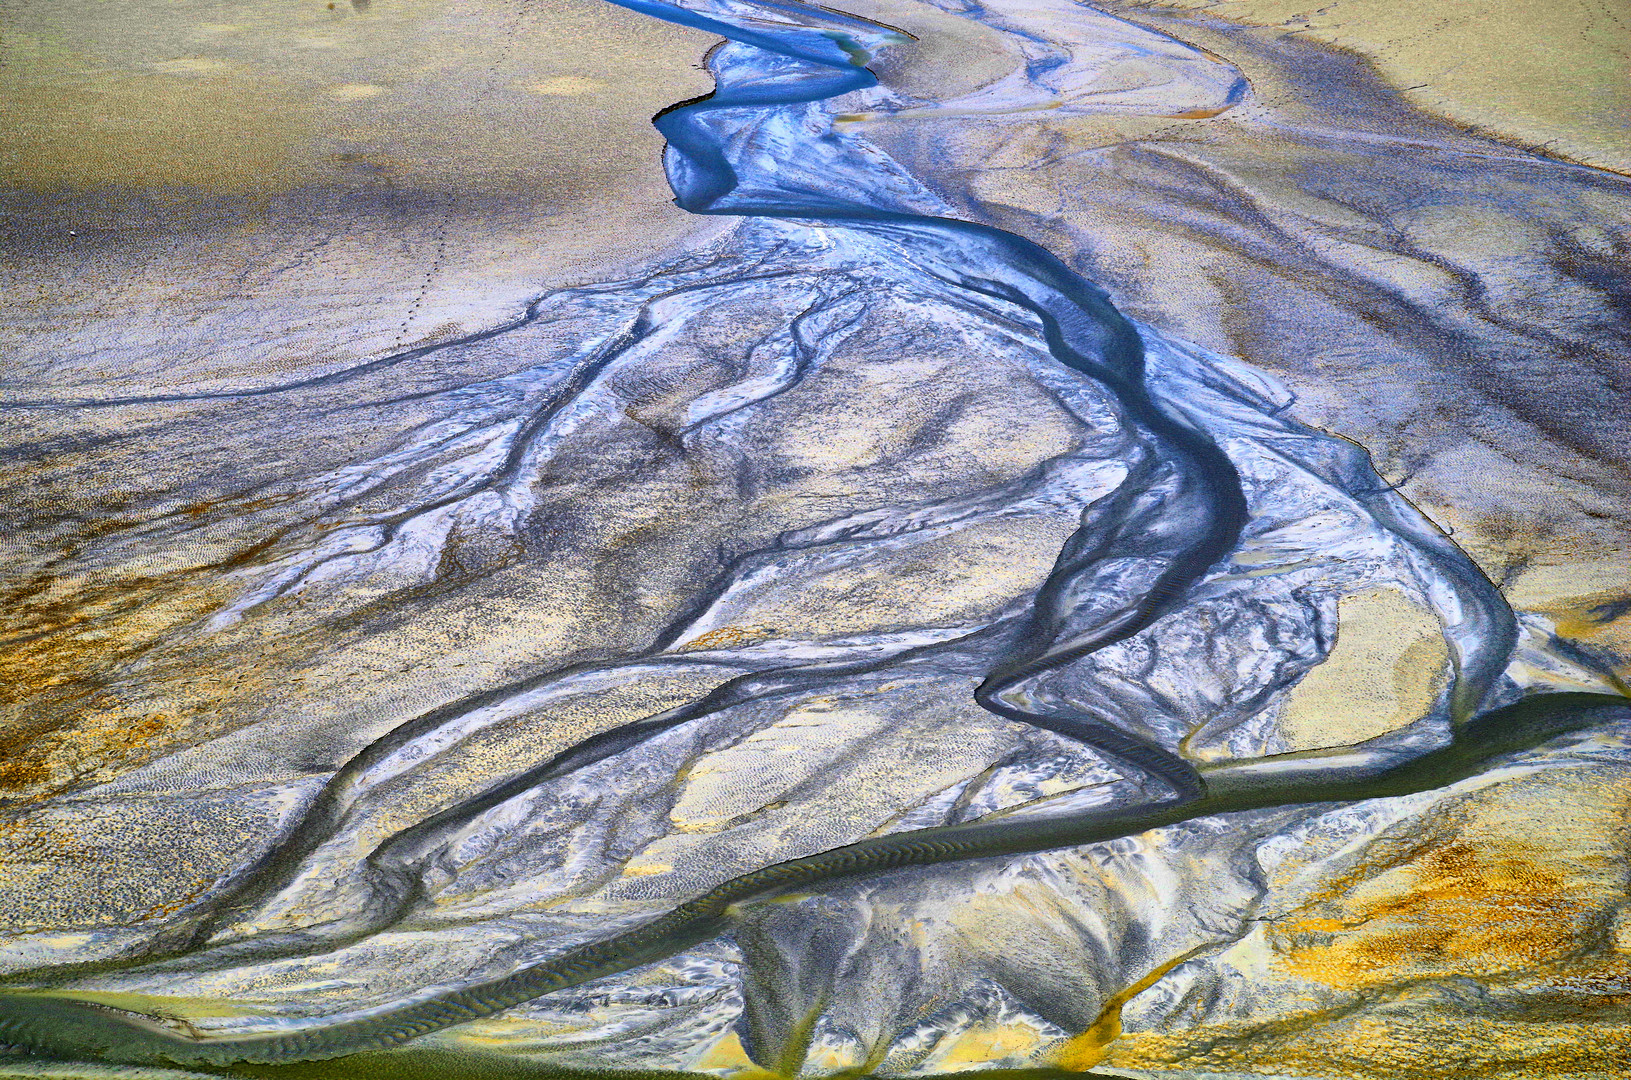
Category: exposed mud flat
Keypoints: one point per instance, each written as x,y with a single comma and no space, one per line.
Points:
358,688
217,196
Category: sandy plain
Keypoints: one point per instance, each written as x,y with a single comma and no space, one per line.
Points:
359,178
256,191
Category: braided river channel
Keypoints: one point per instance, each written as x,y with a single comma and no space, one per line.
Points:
931,647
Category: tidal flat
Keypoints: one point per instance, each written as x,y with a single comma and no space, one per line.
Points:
703,537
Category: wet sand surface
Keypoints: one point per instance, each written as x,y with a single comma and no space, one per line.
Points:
219,196
431,550
1547,76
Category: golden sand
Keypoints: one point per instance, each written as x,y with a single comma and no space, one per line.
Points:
1385,670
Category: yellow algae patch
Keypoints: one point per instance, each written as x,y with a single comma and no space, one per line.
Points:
984,1045
1417,1040
97,745
1507,879
646,869
1386,669
727,637
1512,886
1089,1048
64,719
727,1056
1620,930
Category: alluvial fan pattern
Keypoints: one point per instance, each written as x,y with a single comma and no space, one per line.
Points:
854,644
